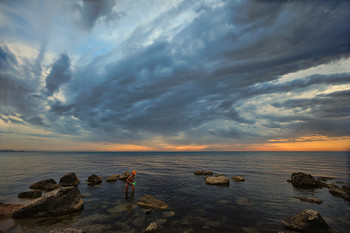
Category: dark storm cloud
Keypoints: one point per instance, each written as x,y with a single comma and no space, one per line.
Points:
60,74
92,10
223,56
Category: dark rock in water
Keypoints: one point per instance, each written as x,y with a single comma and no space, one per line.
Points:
63,200
148,211
124,176
302,180
199,173
47,185
30,194
153,227
69,179
150,202
113,178
94,179
307,221
220,180
343,192
6,210
238,178
310,200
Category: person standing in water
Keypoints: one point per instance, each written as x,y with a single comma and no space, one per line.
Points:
129,182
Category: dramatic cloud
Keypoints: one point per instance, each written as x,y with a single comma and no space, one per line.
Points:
195,73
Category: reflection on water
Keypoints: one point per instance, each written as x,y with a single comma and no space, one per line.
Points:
256,205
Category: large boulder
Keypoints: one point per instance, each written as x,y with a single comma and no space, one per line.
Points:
307,221
200,173
70,179
63,200
124,176
113,178
220,180
47,185
150,202
6,210
30,194
302,180
343,192
94,179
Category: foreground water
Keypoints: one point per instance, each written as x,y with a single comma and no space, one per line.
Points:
256,205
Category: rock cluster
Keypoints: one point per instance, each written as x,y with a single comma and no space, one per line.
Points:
343,192
310,200
124,176
307,221
60,201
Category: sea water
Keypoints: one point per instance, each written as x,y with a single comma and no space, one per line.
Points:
256,205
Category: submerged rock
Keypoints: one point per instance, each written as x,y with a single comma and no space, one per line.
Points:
203,173
6,210
220,180
343,192
113,178
238,178
302,180
124,176
30,194
94,179
47,185
150,202
153,227
58,202
307,221
310,200
70,179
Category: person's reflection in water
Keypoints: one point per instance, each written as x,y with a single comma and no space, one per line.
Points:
130,197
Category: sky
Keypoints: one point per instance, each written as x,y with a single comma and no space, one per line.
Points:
177,75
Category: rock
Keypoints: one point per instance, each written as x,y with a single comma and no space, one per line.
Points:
47,185
150,202
153,227
238,178
30,194
307,221
220,180
343,192
310,200
199,173
94,179
58,202
69,179
6,210
113,178
148,211
124,176
168,214
302,180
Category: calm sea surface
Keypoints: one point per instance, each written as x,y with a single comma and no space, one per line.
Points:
256,205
